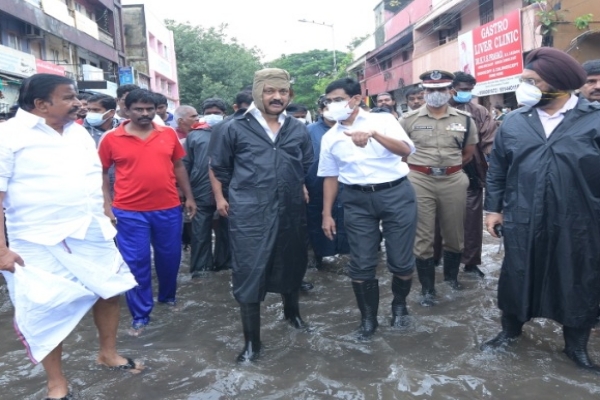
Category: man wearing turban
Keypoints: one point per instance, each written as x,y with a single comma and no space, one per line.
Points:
543,187
263,156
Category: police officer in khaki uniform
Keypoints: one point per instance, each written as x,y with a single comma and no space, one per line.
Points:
444,139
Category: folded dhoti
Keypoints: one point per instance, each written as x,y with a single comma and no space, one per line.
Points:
58,286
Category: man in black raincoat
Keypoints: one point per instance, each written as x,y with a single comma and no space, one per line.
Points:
543,186
263,156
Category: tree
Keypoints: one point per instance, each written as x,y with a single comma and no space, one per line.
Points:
324,81
306,69
210,64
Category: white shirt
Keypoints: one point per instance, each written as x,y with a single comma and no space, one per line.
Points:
263,122
370,165
550,122
53,182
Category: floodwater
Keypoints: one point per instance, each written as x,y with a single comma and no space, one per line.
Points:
190,354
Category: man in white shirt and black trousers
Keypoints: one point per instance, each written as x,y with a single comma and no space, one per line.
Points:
364,153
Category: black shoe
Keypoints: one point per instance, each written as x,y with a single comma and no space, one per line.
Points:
426,272
474,269
576,340
291,309
511,330
400,289
367,298
306,286
251,326
451,267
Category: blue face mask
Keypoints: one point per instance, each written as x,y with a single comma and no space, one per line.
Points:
463,97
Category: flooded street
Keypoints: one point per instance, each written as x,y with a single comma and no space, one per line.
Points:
190,354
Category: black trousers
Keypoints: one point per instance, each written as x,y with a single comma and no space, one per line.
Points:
396,209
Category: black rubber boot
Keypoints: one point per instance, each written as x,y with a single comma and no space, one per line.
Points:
251,326
451,267
474,269
426,272
291,309
400,289
511,330
576,340
367,298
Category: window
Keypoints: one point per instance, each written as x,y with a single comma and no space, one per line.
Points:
82,61
450,29
386,64
54,55
486,11
13,41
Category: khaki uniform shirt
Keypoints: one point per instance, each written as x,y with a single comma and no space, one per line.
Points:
439,142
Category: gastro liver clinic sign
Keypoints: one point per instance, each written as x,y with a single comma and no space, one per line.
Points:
493,53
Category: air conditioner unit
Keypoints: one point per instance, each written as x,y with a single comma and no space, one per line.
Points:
445,21
33,32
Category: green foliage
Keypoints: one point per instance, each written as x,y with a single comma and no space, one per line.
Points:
354,43
210,64
306,69
583,22
321,85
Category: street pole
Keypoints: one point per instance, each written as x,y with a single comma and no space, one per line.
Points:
332,38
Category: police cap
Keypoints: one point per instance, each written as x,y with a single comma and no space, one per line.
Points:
436,79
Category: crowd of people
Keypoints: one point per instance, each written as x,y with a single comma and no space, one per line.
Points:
127,185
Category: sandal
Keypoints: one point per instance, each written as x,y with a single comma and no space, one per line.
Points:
69,396
129,365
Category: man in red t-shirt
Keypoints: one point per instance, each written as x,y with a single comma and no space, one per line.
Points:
146,209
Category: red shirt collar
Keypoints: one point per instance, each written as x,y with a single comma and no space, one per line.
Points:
120,131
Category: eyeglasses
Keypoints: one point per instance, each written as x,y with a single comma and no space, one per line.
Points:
529,81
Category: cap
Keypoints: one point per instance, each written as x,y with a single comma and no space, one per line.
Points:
436,79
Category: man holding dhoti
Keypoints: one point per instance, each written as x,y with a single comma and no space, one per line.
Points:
62,260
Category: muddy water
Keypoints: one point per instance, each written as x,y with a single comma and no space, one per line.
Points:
190,354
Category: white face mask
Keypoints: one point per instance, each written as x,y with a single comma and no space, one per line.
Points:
437,99
95,119
340,110
213,119
327,115
303,120
528,95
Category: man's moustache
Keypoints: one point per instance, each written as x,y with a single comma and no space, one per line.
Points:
276,102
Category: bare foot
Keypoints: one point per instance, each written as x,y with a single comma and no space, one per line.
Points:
58,388
136,331
121,363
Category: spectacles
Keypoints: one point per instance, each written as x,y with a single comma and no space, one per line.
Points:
529,81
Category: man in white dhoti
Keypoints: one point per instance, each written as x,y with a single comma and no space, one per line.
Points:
62,260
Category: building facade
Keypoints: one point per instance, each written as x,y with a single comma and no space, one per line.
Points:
81,39
150,49
487,38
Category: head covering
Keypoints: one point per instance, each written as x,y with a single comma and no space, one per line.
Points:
557,68
592,67
278,78
436,79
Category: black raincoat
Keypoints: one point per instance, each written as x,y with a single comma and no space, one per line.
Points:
267,211
549,193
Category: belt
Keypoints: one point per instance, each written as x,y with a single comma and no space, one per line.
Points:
435,171
376,187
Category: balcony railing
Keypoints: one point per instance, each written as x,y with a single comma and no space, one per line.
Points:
106,37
